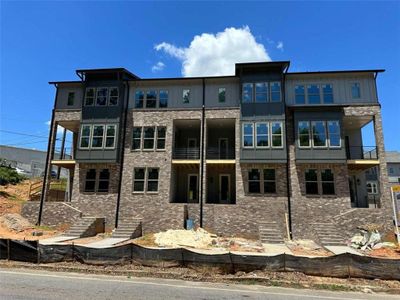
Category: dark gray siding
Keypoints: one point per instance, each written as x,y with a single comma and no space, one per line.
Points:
62,95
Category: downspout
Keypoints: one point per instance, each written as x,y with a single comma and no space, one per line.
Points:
46,168
122,153
287,156
202,154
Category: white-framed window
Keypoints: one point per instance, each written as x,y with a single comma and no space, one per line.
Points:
221,95
97,136
101,96
334,134
186,95
151,99
248,135
261,95
304,134
139,99
163,98
89,96
262,135
114,95
327,93
372,187
247,92
300,94
276,135
139,178
313,94
355,90
111,132
161,133
152,180
148,137
275,88
136,138
145,180
318,134
86,131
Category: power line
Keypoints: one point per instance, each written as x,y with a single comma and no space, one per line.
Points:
25,134
17,144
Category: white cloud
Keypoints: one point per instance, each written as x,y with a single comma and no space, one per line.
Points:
279,45
159,66
216,54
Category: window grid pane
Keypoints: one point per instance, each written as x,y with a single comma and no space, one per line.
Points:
151,99
110,136
101,96
148,140
85,136
98,136
269,181
163,98
114,95
90,182
275,91
262,135
319,134
221,95
327,93
136,137
261,92
152,180
334,133
254,181
71,98
328,184
89,96
247,93
139,98
311,178
313,94
276,129
304,134
300,94
161,138
355,90
139,178
248,131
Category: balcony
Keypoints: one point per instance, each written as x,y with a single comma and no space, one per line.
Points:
361,158
220,141
186,153
220,153
186,148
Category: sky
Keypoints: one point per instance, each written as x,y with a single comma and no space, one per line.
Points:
48,41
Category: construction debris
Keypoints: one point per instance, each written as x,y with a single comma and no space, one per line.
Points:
365,239
15,222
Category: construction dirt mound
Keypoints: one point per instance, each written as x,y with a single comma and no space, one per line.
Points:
15,222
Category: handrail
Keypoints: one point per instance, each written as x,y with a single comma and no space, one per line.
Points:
362,152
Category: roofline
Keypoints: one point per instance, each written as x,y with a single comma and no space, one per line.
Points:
78,72
333,72
187,78
282,62
71,81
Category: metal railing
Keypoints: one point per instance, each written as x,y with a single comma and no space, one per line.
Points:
362,152
186,153
216,153
67,154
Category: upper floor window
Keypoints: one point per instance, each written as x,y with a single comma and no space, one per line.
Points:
160,138
266,134
313,94
304,134
139,99
247,92
101,96
114,95
71,98
145,180
89,96
85,136
262,135
221,95
153,138
300,94
163,95
136,138
151,99
275,91
276,134
334,133
355,90
110,136
148,137
261,92
98,136
327,92
248,135
318,133
321,134
186,96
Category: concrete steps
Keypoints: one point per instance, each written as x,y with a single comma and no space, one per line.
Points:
129,229
86,227
270,233
328,234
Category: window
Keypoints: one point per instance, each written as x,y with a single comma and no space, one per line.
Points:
161,138
334,133
89,96
313,94
138,179
254,181
261,92
247,92
248,135
299,94
90,182
262,135
327,92
328,184
163,98
110,136
104,181
391,171
97,137
355,90
275,91
372,187
148,138
101,96
152,180
319,133
114,94
269,181
137,136
221,95
71,98
151,99
186,96
311,177
139,98
304,134
277,137
85,136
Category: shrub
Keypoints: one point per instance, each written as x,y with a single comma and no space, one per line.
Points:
9,175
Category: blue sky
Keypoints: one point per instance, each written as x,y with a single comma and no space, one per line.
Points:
47,41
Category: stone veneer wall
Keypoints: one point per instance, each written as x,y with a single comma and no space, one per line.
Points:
54,213
336,209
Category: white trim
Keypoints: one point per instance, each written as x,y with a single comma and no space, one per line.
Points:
282,130
312,135
229,188
270,91
329,136
90,136
95,98
91,140
140,139
256,135
144,180
188,186
243,124
154,138
115,136
109,96
309,135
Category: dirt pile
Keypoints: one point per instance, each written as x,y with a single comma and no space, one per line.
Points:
199,238
15,222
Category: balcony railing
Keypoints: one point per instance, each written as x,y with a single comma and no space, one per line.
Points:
186,153
216,153
67,154
362,152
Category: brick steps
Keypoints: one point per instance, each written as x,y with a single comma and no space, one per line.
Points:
328,234
270,233
128,229
85,227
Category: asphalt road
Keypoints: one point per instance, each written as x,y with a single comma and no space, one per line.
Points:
29,284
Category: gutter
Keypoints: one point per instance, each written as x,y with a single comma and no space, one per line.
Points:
202,154
122,153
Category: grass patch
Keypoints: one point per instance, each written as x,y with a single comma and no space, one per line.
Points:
146,240
44,228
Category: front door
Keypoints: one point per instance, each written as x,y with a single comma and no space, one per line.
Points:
193,187
223,148
224,188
